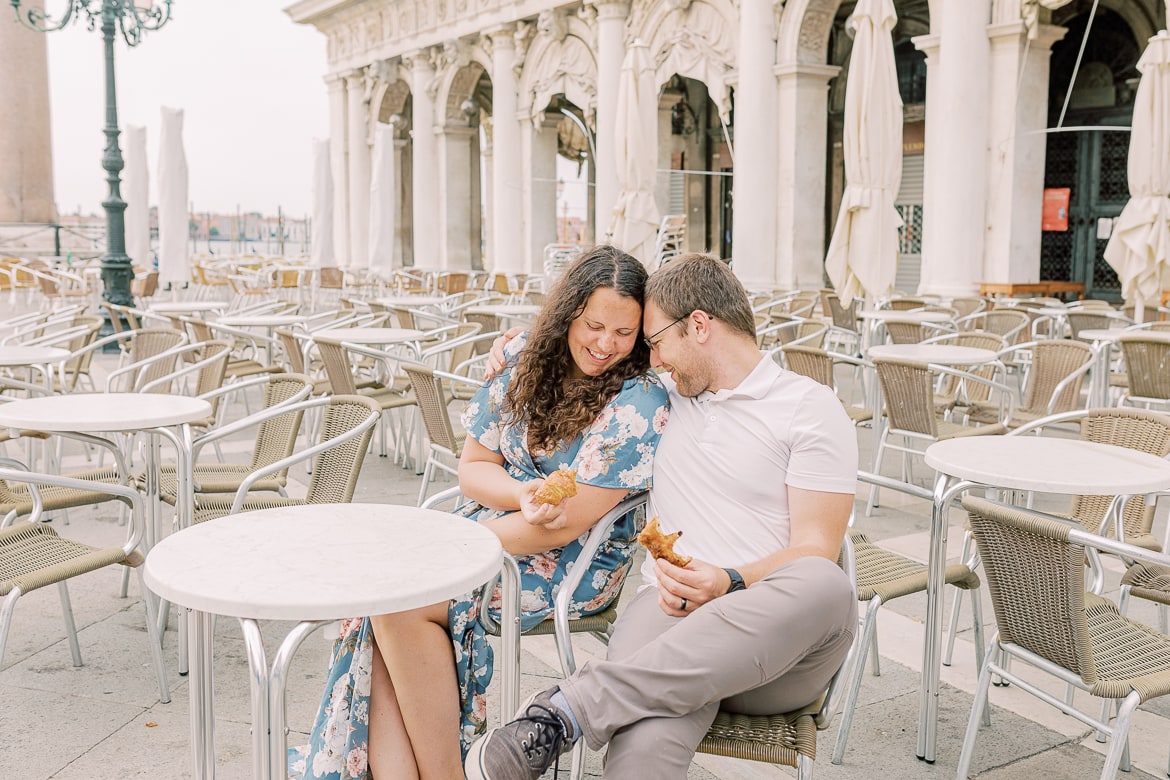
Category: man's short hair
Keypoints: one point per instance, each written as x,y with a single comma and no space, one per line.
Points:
698,281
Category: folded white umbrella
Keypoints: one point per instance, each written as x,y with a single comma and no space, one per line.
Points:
174,257
634,226
321,251
383,202
863,255
137,197
1139,248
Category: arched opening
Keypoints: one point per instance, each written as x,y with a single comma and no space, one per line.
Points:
1089,167
694,164
465,169
575,173
396,110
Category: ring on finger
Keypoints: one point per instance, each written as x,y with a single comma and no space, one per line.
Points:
683,606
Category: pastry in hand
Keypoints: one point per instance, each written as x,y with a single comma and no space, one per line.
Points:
661,545
558,486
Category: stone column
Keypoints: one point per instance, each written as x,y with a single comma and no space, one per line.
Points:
504,250
339,162
539,152
358,144
1018,148
611,50
26,152
928,45
402,225
755,146
424,169
455,145
954,212
802,105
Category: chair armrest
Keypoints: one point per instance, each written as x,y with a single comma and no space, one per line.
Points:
965,376
190,368
138,365
316,449
1064,383
251,420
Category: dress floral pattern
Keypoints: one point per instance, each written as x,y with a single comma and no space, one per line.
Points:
616,451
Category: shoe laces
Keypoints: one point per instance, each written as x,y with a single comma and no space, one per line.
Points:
546,733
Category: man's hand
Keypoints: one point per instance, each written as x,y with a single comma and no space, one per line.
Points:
683,590
496,360
549,516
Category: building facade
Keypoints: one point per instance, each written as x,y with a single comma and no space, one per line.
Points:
483,95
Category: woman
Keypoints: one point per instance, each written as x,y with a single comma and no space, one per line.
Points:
406,692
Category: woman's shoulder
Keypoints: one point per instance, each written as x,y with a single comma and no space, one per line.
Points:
645,386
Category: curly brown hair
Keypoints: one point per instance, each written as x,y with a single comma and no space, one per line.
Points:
558,409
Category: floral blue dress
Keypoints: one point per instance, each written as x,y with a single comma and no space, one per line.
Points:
616,451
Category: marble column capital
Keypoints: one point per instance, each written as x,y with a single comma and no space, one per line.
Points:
503,35
802,71
610,9
1043,38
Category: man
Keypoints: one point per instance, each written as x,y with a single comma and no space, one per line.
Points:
757,467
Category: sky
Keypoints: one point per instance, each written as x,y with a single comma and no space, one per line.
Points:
248,80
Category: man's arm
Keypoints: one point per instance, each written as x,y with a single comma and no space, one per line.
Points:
818,524
496,359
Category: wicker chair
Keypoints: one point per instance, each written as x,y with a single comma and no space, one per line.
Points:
347,423
446,444
817,364
789,738
1147,366
1053,385
33,556
276,436
1035,568
1133,428
906,303
951,392
1009,323
882,576
908,389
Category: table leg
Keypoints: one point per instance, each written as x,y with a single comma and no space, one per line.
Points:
932,647
258,683
277,681
510,638
201,693
1099,386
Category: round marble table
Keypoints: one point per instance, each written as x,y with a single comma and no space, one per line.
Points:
186,307
252,567
1037,463
411,300
39,358
939,354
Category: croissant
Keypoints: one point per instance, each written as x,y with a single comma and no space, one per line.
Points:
558,486
661,545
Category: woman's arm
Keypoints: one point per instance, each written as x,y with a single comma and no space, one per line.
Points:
530,527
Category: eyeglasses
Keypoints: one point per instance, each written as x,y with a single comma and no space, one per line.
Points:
649,340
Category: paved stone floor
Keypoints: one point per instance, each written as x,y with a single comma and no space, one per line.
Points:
104,720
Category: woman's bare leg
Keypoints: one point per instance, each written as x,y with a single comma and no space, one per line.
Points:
420,660
390,754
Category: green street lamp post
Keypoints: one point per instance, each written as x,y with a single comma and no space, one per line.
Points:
132,18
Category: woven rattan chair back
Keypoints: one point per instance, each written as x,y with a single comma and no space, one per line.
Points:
811,362
335,471
967,306
80,365
211,375
1003,322
1136,429
337,366
843,316
905,331
1087,320
908,389
276,437
906,304
973,392
294,357
148,343
487,322
1147,363
432,403
1052,362
1036,579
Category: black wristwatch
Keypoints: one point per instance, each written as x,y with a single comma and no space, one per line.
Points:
737,582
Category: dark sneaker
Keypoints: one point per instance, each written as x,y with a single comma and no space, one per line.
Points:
526,747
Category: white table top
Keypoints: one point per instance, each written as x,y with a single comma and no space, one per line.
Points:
941,354
178,307
1050,465
96,412
26,356
368,335
507,309
410,300
1102,334
254,565
909,316
262,320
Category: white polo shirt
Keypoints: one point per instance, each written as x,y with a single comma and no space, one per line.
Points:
726,459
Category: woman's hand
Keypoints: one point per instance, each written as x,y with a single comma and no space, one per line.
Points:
683,590
552,517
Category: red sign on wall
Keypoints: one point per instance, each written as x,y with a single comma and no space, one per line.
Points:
1055,214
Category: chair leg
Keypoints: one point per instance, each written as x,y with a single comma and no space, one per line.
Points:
426,481
155,639
977,708
70,626
956,605
856,673
875,659
804,767
1119,746
6,608
877,469
980,646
